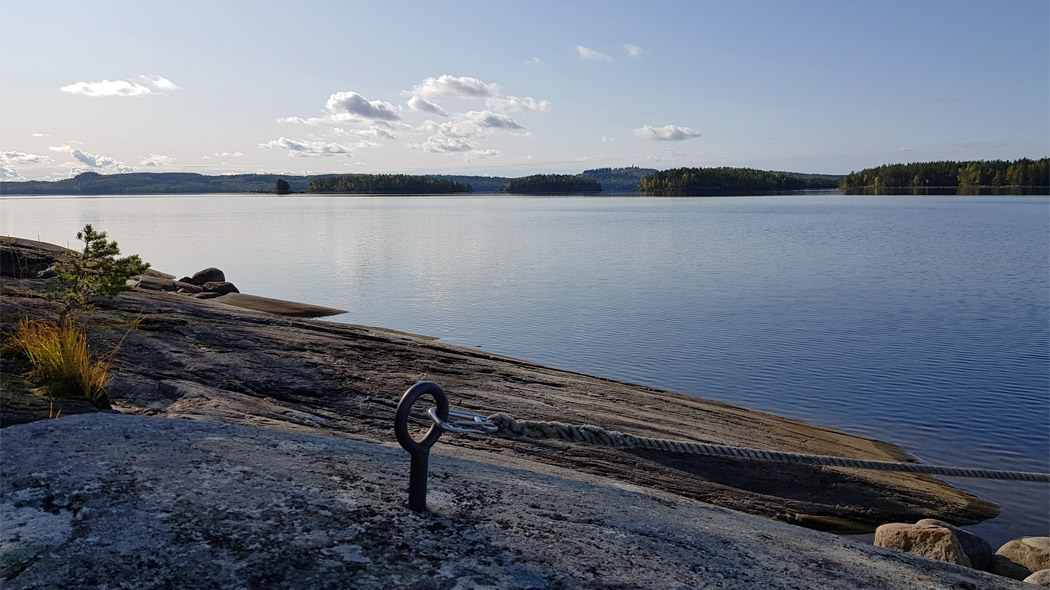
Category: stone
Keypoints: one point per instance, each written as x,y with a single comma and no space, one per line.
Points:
152,283
150,272
1041,578
208,275
1031,552
184,287
976,548
220,287
932,541
207,295
47,273
1002,566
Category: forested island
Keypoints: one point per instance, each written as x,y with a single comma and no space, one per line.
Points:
618,180
950,176
387,184
729,181
552,184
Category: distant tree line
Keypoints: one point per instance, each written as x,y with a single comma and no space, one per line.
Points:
727,181
951,174
618,180
387,184
551,184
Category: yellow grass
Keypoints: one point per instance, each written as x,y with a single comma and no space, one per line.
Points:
61,362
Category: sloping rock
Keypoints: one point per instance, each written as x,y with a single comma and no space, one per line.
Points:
152,283
976,548
220,287
184,287
1031,552
117,501
934,542
208,275
21,258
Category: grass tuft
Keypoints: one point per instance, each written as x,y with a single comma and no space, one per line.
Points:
62,364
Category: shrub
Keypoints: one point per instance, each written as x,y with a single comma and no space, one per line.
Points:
61,363
94,271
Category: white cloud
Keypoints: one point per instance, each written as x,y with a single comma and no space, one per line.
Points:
228,155
9,173
417,103
439,144
157,160
355,105
535,61
307,149
23,158
375,132
592,55
149,85
607,139
483,154
666,133
94,161
632,50
513,104
41,135
449,87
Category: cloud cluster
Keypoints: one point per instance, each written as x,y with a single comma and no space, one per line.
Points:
666,133
591,55
94,161
155,160
146,86
23,158
307,149
349,114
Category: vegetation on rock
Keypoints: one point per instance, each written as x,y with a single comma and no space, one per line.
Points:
387,184
94,271
951,174
728,181
552,184
61,363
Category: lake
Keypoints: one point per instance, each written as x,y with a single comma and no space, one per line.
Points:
923,321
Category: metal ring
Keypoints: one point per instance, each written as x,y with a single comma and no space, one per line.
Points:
405,406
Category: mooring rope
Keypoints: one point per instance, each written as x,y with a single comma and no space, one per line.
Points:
506,425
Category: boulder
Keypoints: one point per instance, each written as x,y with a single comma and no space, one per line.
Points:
156,273
47,273
220,287
185,287
208,275
1002,566
1041,577
932,541
1031,552
976,548
151,283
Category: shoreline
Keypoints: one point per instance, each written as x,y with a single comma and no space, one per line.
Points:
205,360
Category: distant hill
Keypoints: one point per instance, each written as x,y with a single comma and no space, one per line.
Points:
155,183
481,184
726,180
618,180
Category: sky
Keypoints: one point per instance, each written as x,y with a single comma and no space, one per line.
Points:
512,88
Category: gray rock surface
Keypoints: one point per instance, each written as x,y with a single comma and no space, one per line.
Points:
976,548
207,275
932,541
1031,552
220,287
119,501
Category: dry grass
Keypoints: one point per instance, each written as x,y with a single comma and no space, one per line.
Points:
61,363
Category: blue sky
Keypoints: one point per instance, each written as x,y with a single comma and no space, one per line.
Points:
514,88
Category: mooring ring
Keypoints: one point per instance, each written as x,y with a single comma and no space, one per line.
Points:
404,438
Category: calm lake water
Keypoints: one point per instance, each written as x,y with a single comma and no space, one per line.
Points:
922,321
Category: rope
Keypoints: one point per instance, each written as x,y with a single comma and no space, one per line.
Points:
595,435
